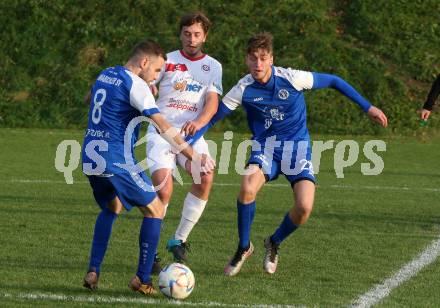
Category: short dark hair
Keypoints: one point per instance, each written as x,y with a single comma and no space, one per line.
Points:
195,17
263,40
147,47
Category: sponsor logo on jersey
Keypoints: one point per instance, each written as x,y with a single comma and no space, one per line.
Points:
267,123
272,114
283,94
206,68
170,67
185,86
181,105
97,133
276,114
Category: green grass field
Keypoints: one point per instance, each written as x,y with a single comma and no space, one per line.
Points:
362,231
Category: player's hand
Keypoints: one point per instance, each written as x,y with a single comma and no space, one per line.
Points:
378,116
191,127
424,114
153,89
204,163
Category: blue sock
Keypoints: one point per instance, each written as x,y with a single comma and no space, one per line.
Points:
284,230
101,236
246,213
148,240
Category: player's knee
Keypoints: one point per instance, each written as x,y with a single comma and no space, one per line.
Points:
205,183
112,211
115,206
301,212
164,195
155,209
248,193
207,178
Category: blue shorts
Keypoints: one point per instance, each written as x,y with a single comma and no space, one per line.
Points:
295,168
131,192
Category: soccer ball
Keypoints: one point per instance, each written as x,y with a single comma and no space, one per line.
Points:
176,281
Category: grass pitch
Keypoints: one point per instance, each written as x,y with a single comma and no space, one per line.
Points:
363,230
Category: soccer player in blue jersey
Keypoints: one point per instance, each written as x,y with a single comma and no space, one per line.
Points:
119,98
276,112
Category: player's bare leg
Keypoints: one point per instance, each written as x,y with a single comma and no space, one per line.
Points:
304,194
114,208
251,183
192,210
250,186
162,180
149,237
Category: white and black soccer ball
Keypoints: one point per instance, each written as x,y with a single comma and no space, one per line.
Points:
176,281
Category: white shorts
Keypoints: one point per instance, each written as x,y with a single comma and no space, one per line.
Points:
160,154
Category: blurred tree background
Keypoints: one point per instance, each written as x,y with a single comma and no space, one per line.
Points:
51,52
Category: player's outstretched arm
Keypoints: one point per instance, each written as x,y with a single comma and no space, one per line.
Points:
172,136
221,113
209,109
332,81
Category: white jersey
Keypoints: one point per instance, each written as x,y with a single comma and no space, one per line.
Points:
184,83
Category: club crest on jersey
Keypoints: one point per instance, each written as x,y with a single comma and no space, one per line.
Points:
206,68
283,94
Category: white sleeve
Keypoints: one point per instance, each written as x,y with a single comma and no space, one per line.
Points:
216,81
301,80
233,98
141,97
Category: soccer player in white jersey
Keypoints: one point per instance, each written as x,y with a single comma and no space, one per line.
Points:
189,85
120,96
274,102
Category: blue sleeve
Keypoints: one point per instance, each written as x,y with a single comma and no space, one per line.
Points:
332,81
149,112
222,112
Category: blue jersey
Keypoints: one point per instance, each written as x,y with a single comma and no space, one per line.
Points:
118,96
276,108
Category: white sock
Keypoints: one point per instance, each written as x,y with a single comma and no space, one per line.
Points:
192,210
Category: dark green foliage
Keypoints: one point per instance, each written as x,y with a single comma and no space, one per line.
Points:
51,52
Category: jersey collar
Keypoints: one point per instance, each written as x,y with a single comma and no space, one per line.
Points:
270,83
191,58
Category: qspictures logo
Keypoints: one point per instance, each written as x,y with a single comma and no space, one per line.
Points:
291,154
